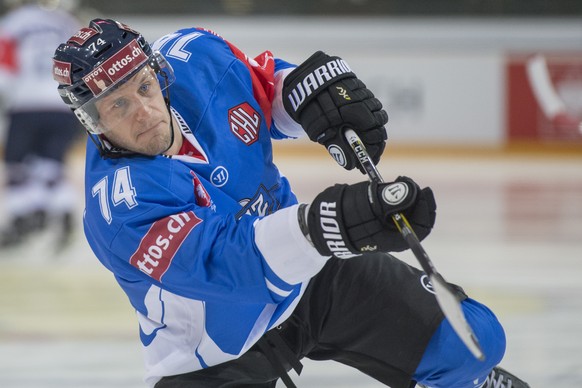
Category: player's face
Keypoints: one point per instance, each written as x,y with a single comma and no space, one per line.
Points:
135,115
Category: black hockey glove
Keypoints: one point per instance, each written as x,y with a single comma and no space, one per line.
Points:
348,219
325,97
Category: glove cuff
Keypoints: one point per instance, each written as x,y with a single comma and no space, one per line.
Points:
302,220
326,224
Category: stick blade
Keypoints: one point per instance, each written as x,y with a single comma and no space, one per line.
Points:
452,309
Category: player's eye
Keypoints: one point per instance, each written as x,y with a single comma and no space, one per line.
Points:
118,103
144,88
117,108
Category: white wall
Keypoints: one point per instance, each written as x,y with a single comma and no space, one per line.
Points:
441,80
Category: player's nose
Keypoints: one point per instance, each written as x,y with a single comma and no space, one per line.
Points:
143,109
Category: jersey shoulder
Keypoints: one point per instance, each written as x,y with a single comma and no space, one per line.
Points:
195,46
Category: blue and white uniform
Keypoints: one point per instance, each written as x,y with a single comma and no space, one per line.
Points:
206,244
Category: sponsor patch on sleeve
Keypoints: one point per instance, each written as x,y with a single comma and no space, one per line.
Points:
160,244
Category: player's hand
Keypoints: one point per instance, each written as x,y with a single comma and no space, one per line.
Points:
325,96
347,219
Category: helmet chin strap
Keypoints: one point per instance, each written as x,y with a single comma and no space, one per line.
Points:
167,100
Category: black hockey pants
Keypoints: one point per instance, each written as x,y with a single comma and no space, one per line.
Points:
374,313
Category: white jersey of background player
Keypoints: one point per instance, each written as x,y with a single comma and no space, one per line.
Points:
39,129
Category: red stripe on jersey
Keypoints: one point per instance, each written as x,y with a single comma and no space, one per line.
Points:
262,71
8,59
190,150
160,244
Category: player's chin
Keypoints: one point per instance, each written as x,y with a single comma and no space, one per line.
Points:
155,145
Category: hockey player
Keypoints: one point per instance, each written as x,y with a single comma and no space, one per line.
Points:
40,130
233,281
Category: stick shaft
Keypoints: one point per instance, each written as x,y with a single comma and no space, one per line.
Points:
446,298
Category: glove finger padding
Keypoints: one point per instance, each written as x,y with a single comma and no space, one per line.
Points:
349,219
325,97
405,196
423,216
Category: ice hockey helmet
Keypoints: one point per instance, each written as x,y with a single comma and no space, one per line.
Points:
97,59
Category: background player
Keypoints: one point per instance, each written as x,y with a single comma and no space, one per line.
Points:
40,130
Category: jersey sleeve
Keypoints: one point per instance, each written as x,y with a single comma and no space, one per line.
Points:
267,75
283,124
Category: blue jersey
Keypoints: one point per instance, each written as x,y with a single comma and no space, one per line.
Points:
206,244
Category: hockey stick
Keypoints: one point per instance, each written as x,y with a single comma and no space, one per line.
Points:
446,299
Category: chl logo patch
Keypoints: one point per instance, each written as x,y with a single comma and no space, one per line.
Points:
244,122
